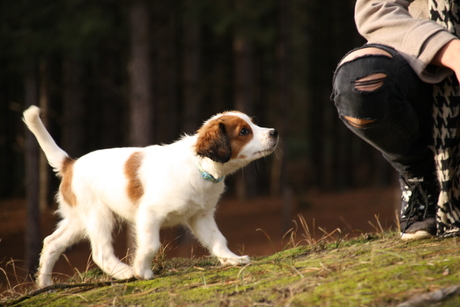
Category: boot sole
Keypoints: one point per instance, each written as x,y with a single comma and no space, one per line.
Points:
418,235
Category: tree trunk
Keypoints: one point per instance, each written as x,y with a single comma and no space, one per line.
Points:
165,67
221,72
44,101
73,109
140,100
33,240
279,184
191,72
278,178
245,183
140,76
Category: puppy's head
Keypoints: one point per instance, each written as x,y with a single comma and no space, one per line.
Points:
233,135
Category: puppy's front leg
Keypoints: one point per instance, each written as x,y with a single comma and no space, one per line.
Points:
204,227
148,243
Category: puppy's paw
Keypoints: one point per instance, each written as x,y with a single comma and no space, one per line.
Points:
145,274
44,280
235,260
126,272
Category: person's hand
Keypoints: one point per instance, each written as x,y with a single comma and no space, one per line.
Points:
449,56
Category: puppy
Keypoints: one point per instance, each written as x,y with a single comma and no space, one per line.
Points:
150,188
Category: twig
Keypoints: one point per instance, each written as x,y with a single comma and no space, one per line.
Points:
66,286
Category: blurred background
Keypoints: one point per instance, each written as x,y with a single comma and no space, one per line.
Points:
114,73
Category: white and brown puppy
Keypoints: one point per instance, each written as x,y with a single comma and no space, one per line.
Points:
149,187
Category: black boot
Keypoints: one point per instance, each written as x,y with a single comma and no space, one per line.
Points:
419,197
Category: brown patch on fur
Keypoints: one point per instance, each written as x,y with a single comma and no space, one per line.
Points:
213,142
235,126
221,139
66,184
134,189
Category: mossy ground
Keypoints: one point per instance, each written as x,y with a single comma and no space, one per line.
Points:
373,271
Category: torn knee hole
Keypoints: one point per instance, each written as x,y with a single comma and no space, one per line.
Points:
370,83
359,123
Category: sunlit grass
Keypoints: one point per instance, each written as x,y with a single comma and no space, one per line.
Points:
316,268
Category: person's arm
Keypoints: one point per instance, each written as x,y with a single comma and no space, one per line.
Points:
449,56
389,22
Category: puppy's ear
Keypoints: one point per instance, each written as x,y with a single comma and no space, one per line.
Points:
213,142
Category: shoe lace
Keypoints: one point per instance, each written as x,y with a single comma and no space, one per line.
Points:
418,202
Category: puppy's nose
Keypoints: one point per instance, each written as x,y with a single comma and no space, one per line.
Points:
273,133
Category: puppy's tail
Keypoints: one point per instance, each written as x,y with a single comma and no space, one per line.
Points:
55,155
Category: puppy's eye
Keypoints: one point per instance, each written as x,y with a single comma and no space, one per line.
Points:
244,131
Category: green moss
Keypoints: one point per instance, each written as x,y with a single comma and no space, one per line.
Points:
377,271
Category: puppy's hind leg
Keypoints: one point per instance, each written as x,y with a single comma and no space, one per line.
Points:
99,227
148,242
67,233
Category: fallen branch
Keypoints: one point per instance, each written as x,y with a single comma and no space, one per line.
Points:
63,287
428,299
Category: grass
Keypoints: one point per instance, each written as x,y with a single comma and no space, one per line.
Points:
372,270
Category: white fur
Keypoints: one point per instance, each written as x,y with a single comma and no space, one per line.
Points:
174,193
54,154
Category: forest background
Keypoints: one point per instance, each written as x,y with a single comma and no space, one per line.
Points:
112,73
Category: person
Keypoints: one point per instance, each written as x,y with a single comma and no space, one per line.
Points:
400,93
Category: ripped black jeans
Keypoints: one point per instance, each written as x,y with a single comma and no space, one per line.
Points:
392,112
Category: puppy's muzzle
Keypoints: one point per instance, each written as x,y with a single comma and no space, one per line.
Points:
273,133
